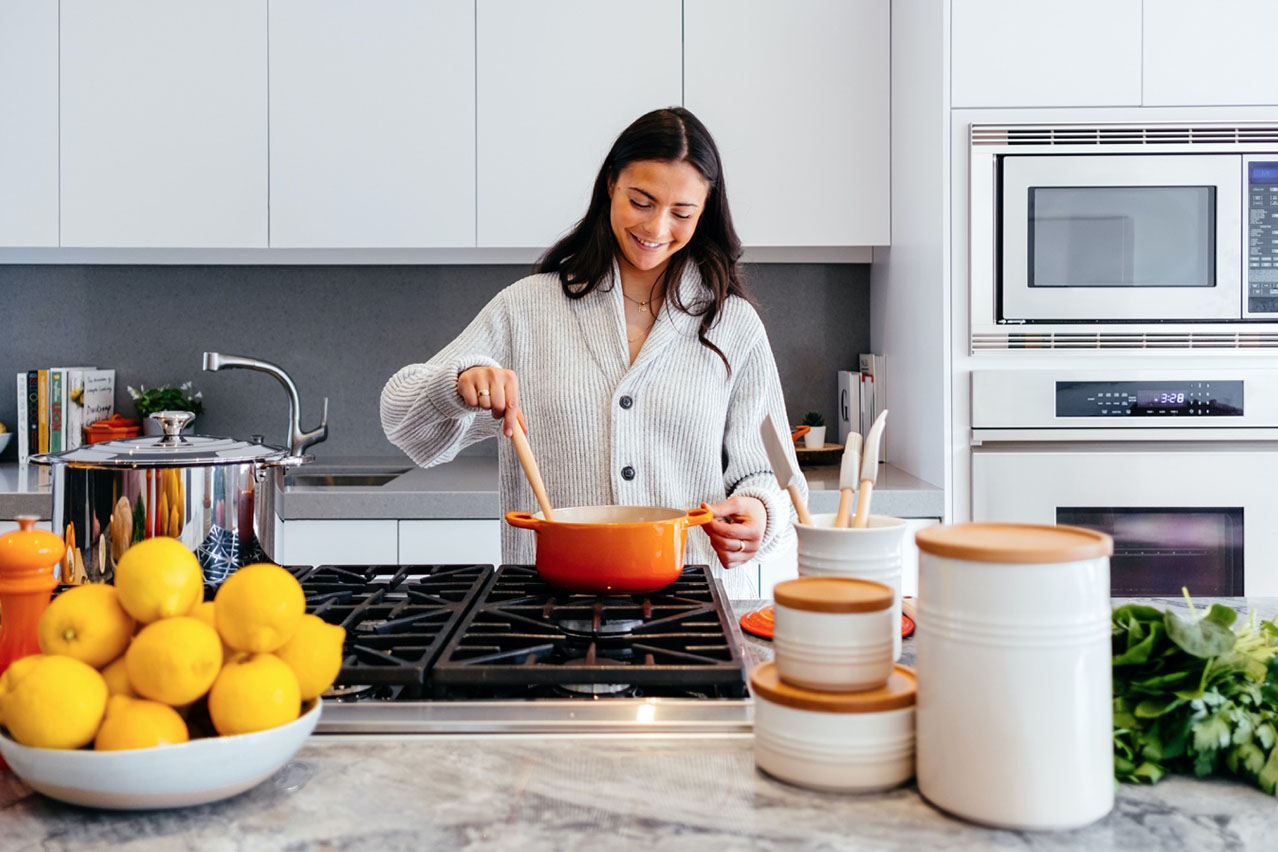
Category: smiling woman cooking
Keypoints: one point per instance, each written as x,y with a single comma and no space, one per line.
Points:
640,362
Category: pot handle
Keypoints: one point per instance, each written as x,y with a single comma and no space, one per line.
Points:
524,520
697,517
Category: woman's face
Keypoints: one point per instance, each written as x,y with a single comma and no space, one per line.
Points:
655,209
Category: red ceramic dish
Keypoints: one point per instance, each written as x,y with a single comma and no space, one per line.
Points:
760,623
599,550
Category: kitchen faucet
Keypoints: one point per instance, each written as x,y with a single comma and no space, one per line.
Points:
298,440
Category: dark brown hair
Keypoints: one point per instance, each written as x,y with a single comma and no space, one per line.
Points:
583,259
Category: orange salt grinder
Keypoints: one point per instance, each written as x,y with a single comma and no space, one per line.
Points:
27,559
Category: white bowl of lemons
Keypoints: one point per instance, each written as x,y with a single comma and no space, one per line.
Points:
145,696
169,776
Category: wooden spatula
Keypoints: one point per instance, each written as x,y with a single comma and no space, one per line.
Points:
849,477
529,464
869,469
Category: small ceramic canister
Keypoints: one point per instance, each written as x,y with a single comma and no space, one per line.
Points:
838,741
1015,722
833,633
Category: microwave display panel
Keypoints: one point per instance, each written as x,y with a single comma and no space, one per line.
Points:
1149,399
1262,237
1121,236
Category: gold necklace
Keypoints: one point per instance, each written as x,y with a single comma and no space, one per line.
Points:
643,306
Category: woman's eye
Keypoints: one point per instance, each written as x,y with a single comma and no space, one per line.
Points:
682,215
640,206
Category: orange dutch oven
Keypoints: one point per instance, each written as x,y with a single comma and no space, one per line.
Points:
611,549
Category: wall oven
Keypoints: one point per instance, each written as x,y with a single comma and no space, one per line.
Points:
1124,228
1179,466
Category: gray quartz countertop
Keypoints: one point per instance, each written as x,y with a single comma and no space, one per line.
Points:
463,488
570,792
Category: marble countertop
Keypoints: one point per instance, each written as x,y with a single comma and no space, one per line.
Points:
463,488
605,792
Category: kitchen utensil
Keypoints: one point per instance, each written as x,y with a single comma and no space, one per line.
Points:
869,468
872,552
799,431
170,776
838,741
784,466
849,478
611,549
218,496
529,464
833,634
1019,615
27,559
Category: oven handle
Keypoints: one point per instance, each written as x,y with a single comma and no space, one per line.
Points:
981,437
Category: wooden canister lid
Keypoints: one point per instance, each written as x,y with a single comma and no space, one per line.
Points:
1029,544
897,693
833,594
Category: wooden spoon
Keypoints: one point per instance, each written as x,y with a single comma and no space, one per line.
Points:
529,464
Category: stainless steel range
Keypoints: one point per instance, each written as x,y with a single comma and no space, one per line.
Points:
478,649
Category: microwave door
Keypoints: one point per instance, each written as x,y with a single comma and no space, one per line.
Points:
1121,238
1199,517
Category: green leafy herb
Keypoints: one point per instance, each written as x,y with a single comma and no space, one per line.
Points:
1194,694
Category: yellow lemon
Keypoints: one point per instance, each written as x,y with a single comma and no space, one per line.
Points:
204,612
314,654
254,693
87,623
158,578
116,674
16,671
55,702
258,607
174,660
139,723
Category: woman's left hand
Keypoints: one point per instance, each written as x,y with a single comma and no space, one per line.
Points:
737,529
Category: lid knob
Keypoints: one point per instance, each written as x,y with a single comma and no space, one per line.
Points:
172,422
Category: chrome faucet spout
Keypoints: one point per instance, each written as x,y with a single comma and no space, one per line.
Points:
298,440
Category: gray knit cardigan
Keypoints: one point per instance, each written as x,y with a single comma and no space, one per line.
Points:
672,429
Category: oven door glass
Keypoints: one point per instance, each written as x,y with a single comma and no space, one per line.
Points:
1160,551
1133,237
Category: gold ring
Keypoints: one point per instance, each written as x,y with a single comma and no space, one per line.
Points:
740,545
483,392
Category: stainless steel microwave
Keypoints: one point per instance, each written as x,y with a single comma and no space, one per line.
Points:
1137,225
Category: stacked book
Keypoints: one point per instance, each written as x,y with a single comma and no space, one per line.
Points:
56,403
862,397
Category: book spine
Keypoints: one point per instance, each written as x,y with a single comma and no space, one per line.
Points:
33,412
43,391
57,403
74,412
24,448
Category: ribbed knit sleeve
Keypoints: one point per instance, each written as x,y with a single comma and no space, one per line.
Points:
421,411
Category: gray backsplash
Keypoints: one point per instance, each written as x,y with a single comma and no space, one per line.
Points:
341,331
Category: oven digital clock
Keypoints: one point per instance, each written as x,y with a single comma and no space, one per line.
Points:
1149,399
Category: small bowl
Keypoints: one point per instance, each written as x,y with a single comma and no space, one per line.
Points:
172,776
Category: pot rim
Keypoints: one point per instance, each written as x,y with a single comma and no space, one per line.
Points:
693,517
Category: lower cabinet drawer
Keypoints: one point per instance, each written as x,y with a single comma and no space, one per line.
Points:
344,542
448,542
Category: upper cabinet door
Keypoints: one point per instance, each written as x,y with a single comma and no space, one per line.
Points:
372,123
29,139
558,80
802,168
164,123
1203,54
1046,53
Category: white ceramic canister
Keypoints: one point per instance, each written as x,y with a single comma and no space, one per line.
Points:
837,741
1012,649
833,633
872,552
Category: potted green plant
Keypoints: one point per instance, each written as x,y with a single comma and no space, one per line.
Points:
815,437
164,398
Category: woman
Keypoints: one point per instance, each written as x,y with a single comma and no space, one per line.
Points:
642,368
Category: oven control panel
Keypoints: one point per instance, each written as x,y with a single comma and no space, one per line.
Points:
1262,237
1150,399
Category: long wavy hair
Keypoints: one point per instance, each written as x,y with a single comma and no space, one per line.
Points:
583,259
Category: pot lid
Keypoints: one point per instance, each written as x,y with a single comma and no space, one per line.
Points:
173,449
1029,544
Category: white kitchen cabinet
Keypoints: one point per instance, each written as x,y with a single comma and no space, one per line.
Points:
796,96
1205,54
339,542
372,123
164,123
29,107
557,81
1048,53
450,542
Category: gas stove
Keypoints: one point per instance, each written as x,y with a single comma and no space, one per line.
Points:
483,649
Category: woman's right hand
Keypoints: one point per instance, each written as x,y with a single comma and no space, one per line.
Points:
494,389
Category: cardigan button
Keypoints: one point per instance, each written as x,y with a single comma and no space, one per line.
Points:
627,473
625,402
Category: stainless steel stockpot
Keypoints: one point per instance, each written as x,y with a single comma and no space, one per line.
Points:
215,495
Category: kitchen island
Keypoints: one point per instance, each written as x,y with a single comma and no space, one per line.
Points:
606,792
